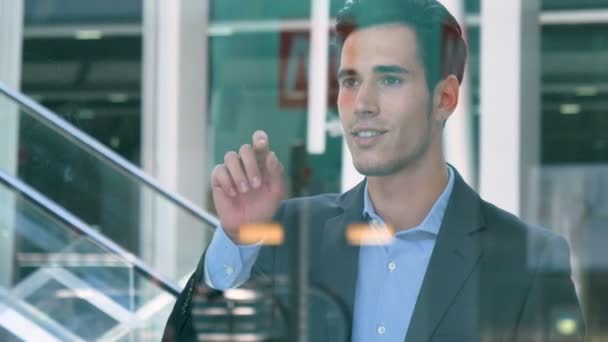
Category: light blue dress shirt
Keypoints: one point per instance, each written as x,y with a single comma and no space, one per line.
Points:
388,280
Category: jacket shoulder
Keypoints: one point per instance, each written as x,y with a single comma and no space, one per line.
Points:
501,221
508,234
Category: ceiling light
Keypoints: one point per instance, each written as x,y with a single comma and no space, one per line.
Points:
221,31
88,34
118,97
115,142
87,114
570,109
567,326
241,295
586,91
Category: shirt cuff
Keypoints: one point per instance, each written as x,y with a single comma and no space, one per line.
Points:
228,264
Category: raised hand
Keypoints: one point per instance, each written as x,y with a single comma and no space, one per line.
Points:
248,187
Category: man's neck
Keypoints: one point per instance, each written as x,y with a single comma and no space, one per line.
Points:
404,199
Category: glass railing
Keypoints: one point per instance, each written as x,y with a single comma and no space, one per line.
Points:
72,283
100,187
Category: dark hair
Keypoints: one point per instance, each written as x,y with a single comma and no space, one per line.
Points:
440,43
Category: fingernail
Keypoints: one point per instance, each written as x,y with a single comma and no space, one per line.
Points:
256,182
243,187
232,193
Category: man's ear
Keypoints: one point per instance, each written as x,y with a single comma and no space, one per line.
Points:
445,98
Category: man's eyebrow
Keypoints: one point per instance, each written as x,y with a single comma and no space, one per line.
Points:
394,69
379,69
346,72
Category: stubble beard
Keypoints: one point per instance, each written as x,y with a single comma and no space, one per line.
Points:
403,162
383,169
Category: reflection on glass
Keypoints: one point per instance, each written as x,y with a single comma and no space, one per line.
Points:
89,186
67,285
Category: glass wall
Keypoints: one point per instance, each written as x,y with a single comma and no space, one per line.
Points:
82,60
254,50
574,140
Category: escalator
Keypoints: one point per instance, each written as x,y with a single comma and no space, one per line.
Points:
66,205
100,187
79,286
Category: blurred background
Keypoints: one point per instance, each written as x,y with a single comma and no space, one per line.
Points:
113,113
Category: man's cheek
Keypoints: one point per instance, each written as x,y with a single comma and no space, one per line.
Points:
345,102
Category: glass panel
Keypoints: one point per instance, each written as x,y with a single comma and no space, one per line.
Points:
67,172
84,62
69,285
225,10
573,4
572,199
474,6
7,336
251,90
575,71
78,12
253,74
67,308
569,187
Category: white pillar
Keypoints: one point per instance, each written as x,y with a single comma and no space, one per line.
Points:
11,36
458,137
510,100
174,146
317,77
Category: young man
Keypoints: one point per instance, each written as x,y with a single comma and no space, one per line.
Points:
457,268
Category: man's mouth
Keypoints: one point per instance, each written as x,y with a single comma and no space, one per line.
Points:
367,134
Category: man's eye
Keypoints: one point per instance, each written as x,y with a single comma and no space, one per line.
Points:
391,80
349,82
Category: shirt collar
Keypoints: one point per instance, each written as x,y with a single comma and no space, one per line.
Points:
432,221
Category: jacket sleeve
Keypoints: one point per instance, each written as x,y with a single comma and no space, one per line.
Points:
551,311
179,325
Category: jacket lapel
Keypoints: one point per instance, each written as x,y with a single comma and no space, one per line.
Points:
455,255
340,260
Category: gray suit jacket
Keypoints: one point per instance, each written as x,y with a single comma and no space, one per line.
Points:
490,278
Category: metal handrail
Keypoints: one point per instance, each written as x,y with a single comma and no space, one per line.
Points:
75,224
43,114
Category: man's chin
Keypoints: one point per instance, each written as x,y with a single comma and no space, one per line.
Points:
375,170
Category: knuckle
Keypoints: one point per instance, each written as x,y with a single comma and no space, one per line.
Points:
226,183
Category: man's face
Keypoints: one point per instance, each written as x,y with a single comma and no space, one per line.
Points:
384,102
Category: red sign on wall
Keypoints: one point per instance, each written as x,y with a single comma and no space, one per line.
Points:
293,72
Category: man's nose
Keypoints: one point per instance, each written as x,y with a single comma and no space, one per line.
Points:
366,100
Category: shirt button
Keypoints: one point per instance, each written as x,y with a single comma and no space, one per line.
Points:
381,330
229,269
392,266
